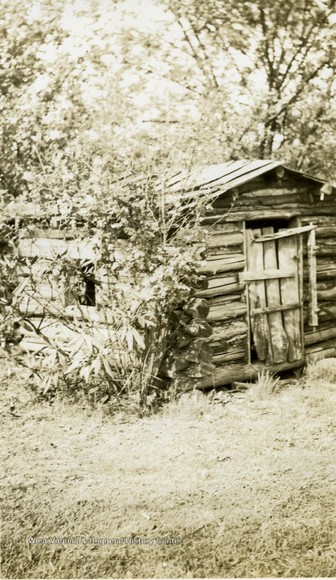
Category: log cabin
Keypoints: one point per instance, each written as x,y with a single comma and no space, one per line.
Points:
269,301
270,268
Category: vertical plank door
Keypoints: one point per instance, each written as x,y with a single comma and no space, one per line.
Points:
288,257
275,303
257,300
278,336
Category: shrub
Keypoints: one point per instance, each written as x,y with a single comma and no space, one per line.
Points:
149,253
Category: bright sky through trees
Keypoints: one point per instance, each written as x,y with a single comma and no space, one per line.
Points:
166,81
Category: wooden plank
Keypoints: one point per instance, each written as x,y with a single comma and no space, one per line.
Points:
247,301
275,309
279,342
284,233
220,301
224,227
325,353
261,213
326,295
319,336
224,239
220,251
227,258
52,248
228,331
58,234
326,241
228,357
226,374
326,250
220,290
278,337
220,281
236,344
227,312
275,192
328,308
321,346
328,284
326,232
258,200
324,273
319,220
289,287
224,264
313,318
266,274
257,299
296,222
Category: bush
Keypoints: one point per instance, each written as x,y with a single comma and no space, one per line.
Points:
149,256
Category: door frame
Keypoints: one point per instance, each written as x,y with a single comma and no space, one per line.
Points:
293,224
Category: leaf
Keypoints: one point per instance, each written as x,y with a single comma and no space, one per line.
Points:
73,367
88,342
108,369
96,366
55,378
138,339
129,339
77,346
85,373
46,383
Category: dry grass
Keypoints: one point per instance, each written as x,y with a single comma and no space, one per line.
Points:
246,483
321,370
266,385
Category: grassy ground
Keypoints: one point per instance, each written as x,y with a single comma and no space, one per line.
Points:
244,485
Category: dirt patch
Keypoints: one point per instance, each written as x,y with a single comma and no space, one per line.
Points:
240,488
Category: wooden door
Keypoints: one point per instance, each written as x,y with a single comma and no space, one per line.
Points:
275,303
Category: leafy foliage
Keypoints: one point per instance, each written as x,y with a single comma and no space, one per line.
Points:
146,267
97,107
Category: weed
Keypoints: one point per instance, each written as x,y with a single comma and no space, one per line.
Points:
321,370
267,384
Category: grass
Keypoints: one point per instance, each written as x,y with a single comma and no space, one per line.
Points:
244,482
266,385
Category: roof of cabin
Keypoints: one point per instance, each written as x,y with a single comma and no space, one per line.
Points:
225,176
213,180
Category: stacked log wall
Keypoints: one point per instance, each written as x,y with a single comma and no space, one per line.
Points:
321,340
225,260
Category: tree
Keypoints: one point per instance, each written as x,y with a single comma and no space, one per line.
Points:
25,32
279,58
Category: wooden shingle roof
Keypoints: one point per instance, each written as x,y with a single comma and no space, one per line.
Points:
219,178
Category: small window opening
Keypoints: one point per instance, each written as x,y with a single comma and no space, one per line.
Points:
87,295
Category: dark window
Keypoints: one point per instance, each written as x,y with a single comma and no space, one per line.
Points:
87,295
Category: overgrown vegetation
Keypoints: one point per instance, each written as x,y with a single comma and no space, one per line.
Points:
147,258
